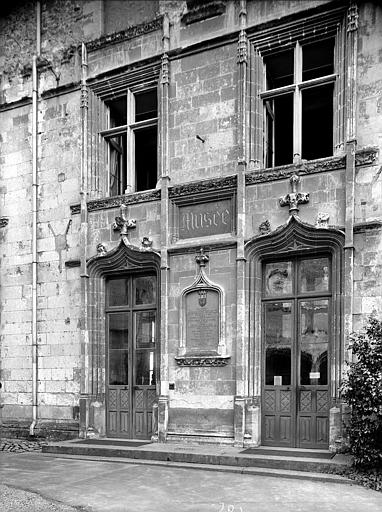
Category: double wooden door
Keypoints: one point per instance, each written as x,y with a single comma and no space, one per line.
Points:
296,348
131,362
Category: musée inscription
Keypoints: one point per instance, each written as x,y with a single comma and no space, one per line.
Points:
212,218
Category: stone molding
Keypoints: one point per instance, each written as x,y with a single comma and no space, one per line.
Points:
366,156
125,35
124,257
107,203
199,187
361,227
201,10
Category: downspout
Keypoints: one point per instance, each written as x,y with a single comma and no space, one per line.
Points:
34,220
86,377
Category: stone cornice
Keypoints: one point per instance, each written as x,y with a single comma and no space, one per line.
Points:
198,187
365,156
361,227
125,35
107,203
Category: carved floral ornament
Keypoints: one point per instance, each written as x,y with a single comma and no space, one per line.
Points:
3,222
294,198
122,223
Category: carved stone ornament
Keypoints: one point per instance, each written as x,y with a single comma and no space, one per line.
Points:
122,223
3,222
294,198
125,35
201,258
101,249
202,321
146,243
322,220
265,227
202,360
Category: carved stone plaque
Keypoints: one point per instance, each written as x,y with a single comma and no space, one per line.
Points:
207,218
202,322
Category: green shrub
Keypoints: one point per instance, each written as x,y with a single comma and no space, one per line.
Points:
362,390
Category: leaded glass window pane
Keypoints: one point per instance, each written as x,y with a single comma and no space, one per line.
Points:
313,275
278,279
118,292
145,290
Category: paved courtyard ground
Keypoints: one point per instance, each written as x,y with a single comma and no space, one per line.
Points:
101,486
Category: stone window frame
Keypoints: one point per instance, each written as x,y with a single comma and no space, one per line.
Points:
325,25
133,80
128,175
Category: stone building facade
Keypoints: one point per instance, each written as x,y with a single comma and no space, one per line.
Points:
190,216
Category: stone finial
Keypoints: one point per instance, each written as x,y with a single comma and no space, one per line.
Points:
265,227
352,17
294,198
322,220
242,47
122,223
101,249
202,259
146,243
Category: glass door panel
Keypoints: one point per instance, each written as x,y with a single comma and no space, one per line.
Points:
118,370
145,368
145,329
314,338
278,341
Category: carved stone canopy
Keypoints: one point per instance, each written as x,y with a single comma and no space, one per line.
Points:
202,321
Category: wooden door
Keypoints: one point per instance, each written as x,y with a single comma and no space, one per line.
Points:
296,342
131,356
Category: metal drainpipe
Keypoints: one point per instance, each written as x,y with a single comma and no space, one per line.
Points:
34,220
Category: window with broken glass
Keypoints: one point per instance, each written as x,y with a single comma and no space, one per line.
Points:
297,78
298,103
131,139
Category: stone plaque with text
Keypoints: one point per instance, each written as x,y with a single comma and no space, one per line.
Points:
202,322
205,219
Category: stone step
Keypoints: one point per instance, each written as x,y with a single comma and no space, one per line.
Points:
214,456
277,473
